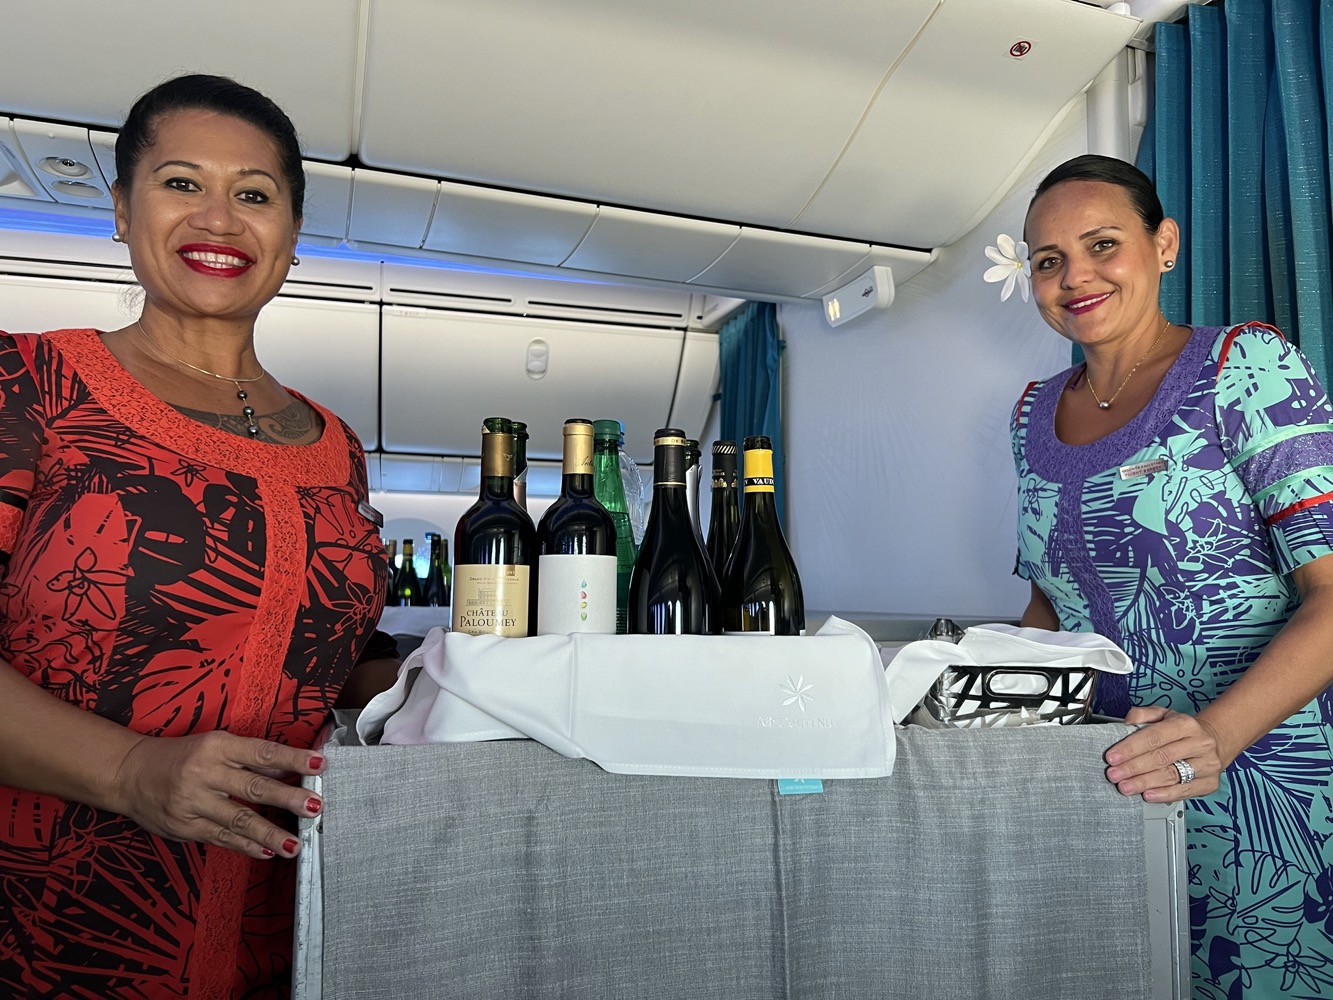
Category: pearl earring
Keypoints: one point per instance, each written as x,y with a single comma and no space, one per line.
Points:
296,261
117,238
1170,264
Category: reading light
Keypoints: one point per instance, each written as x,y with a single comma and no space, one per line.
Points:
872,290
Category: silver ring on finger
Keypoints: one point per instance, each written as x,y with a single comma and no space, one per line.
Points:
1185,769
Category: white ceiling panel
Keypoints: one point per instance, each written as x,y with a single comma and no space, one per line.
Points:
507,225
731,111
328,200
651,245
88,60
391,209
973,125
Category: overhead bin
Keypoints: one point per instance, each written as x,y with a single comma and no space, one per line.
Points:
444,372
624,140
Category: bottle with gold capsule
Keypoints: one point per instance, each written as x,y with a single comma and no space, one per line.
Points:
576,542
495,546
761,590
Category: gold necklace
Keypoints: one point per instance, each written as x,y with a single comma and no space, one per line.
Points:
1106,405
247,411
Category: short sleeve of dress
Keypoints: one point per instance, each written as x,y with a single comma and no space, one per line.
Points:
1018,425
21,423
1276,426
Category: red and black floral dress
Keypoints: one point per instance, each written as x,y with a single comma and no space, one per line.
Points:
176,579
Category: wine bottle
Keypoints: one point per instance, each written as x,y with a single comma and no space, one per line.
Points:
692,459
576,542
761,590
674,590
438,576
521,463
609,488
725,516
495,544
391,547
407,592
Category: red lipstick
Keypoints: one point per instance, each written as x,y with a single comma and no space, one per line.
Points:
215,259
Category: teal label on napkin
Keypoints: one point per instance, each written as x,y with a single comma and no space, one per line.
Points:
800,786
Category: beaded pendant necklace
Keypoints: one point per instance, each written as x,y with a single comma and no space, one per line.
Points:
247,411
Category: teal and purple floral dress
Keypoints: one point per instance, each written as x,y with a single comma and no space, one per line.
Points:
1176,536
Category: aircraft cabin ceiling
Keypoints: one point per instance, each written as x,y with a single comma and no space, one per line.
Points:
755,147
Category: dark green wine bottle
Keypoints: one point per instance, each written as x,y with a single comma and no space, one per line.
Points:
674,590
407,589
609,488
438,575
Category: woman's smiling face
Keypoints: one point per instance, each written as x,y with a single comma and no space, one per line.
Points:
1096,269
208,218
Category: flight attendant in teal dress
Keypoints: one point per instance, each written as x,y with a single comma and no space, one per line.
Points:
1176,496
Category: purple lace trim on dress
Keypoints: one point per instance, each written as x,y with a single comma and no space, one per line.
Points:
1070,466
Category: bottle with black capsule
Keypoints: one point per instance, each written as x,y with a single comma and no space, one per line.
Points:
521,463
693,459
725,515
391,549
674,590
439,577
495,547
761,590
576,542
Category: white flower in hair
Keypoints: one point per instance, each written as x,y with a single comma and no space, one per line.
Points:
1011,266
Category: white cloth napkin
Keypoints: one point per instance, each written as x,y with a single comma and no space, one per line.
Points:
1001,645
713,706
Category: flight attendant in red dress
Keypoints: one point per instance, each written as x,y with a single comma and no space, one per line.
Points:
189,573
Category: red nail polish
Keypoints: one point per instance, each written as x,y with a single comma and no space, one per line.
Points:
316,763
266,852
289,846
313,805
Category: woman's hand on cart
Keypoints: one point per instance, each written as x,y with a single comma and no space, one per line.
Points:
203,787
1173,756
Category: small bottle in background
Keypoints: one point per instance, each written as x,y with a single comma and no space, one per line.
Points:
636,493
692,473
576,539
609,488
391,547
521,463
724,517
407,590
761,590
438,576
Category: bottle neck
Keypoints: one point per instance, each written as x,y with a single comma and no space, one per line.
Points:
578,484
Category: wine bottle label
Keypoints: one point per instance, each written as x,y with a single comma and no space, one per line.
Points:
758,471
576,594
491,600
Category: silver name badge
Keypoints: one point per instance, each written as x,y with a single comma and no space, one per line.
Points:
1141,469
370,514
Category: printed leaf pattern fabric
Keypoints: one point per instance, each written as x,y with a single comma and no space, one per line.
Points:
1188,569
175,579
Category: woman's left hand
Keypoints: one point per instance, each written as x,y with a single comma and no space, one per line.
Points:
1143,763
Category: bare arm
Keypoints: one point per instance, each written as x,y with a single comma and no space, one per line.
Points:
1040,613
1295,666
183,788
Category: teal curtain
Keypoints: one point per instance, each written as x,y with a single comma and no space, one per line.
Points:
1242,155
751,396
